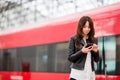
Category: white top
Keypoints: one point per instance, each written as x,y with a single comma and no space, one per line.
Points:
86,74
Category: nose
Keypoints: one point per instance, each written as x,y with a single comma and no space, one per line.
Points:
87,28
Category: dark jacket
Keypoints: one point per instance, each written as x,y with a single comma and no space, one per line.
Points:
77,57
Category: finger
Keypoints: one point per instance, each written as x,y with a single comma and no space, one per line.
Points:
90,47
95,45
84,46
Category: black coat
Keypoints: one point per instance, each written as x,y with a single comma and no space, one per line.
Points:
77,57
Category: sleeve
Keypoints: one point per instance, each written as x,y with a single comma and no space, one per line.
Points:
73,55
96,54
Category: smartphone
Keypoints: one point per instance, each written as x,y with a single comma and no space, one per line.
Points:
89,44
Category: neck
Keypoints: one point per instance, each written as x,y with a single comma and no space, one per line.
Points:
85,37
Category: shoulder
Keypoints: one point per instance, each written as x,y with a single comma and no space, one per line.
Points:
73,37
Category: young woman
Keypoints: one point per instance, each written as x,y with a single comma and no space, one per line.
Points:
83,51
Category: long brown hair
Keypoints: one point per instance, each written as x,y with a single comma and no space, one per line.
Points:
79,33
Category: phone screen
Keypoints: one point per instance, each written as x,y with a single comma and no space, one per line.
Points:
89,44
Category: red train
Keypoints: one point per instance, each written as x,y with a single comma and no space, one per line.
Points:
40,53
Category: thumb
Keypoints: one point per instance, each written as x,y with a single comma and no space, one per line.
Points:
84,46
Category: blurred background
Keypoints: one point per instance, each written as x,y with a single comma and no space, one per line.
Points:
15,13
42,52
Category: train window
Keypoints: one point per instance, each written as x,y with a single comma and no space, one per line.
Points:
109,55
61,62
41,58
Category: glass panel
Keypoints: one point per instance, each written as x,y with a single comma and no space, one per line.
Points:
43,58
61,62
109,45
110,54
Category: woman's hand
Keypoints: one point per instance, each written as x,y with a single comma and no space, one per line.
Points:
86,50
95,48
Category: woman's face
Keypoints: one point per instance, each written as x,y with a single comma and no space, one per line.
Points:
86,28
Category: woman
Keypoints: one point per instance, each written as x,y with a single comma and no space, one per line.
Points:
81,55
